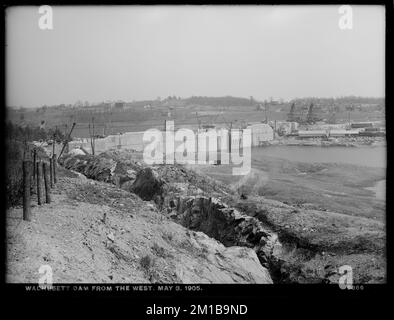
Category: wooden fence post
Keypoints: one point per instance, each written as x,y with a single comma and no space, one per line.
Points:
34,162
54,168
26,190
39,173
53,142
46,183
51,171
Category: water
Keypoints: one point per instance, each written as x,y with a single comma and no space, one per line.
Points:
361,156
380,189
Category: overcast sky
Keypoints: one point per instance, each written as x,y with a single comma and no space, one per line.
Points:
134,53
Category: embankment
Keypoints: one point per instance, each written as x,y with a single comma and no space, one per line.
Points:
94,232
295,244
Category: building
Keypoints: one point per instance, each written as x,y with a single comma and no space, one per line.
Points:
261,133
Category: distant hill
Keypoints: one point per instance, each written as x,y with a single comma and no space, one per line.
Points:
355,100
219,101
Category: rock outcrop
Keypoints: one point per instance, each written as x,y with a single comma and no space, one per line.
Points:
229,226
180,193
93,167
147,185
223,264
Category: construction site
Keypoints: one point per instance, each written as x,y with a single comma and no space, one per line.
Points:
118,126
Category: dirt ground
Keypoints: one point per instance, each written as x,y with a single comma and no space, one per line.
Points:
94,232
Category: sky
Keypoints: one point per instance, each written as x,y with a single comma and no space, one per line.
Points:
144,52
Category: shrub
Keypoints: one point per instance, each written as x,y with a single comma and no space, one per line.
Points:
17,138
146,262
14,179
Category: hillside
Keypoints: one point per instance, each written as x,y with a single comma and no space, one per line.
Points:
96,232
296,243
166,223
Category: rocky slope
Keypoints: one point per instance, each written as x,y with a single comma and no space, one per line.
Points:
95,232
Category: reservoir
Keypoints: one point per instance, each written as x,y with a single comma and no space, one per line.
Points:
361,156
380,189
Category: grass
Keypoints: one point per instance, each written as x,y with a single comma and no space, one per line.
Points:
332,187
335,220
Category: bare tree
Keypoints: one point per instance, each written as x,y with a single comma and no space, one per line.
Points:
92,135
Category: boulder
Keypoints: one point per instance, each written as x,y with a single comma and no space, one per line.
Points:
219,264
102,168
229,226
